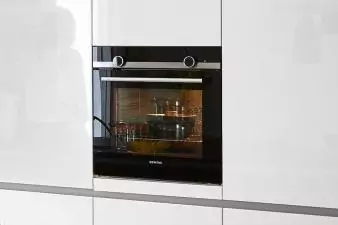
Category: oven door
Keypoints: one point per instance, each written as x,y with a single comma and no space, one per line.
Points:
158,124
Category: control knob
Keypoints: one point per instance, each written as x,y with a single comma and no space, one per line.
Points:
118,61
189,61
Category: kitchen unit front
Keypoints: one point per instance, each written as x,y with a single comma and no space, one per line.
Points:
117,211
156,23
32,208
157,113
45,93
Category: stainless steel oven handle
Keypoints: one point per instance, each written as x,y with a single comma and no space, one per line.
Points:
152,80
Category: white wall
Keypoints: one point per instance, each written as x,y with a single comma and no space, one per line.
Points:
280,101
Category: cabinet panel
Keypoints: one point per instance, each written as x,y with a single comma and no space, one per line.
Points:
280,101
17,208
45,93
161,23
158,188
108,211
242,217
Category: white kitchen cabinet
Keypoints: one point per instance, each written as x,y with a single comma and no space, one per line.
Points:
123,212
280,101
157,23
17,208
147,187
45,92
243,217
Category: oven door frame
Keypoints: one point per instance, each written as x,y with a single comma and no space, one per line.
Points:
208,169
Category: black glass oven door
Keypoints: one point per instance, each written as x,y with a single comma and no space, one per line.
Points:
158,124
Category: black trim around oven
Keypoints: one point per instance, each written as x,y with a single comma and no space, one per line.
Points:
157,54
170,169
204,170
207,170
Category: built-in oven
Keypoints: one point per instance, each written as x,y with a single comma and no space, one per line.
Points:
157,113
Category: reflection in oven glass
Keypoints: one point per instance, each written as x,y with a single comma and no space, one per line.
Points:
162,122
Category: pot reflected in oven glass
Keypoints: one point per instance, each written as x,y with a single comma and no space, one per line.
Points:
138,127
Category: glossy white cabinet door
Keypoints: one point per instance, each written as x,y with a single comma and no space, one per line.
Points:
280,93
147,187
45,99
153,22
242,217
18,208
122,212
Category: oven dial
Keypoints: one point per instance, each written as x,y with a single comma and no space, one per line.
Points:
118,61
189,61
